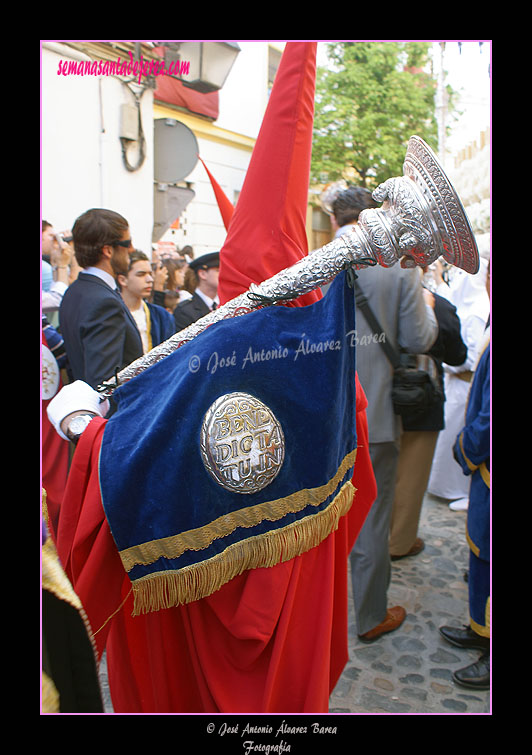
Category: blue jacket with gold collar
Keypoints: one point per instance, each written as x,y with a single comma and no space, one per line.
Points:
472,452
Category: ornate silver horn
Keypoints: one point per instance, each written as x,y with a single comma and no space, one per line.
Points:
422,217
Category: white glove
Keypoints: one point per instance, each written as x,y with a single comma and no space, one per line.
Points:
77,396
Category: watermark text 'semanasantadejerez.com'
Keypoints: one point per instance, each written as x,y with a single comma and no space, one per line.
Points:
126,67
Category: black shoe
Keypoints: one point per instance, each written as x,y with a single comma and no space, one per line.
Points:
465,638
476,676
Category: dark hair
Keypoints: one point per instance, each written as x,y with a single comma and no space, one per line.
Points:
135,256
173,265
93,230
349,204
191,280
170,294
45,225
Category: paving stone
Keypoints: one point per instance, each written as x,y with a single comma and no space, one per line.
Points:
418,694
410,661
412,679
382,667
351,672
383,703
456,705
444,656
408,643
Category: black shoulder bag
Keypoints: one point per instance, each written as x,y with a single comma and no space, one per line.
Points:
414,391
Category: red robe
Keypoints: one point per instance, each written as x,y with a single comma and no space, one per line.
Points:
272,640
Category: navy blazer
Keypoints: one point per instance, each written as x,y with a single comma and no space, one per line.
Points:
162,324
99,332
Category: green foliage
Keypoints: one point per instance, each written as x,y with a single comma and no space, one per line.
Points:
369,101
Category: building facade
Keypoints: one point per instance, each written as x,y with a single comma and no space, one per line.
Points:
97,136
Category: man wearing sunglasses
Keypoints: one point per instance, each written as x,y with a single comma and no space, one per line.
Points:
99,332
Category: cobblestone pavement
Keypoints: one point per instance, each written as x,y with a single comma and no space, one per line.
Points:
409,671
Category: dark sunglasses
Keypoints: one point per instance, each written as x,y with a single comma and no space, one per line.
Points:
127,243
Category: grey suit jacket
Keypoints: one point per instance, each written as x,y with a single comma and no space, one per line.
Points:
396,298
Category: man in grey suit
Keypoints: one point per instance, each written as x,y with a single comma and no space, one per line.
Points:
396,298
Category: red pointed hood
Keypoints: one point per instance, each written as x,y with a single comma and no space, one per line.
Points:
268,227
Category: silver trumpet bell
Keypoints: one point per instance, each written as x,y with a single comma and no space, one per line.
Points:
422,217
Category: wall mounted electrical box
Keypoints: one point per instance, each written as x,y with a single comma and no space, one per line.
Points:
129,122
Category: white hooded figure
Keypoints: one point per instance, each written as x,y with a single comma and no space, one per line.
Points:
469,295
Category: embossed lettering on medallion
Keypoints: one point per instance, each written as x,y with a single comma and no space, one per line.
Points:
242,443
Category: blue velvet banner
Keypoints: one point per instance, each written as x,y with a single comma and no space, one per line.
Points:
168,513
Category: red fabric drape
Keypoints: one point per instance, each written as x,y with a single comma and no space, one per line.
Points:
224,204
246,648
267,231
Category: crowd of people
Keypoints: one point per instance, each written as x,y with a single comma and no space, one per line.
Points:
105,303
147,284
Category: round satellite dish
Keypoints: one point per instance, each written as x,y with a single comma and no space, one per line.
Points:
175,151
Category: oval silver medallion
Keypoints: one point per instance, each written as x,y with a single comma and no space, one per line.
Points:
242,443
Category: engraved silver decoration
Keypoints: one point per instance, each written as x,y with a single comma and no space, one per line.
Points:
242,443
420,220
424,213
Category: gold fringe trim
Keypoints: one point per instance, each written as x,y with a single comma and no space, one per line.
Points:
44,500
170,589
54,579
200,538
50,695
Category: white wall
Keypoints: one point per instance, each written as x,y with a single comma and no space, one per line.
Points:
244,96
243,100
81,152
201,223
82,163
